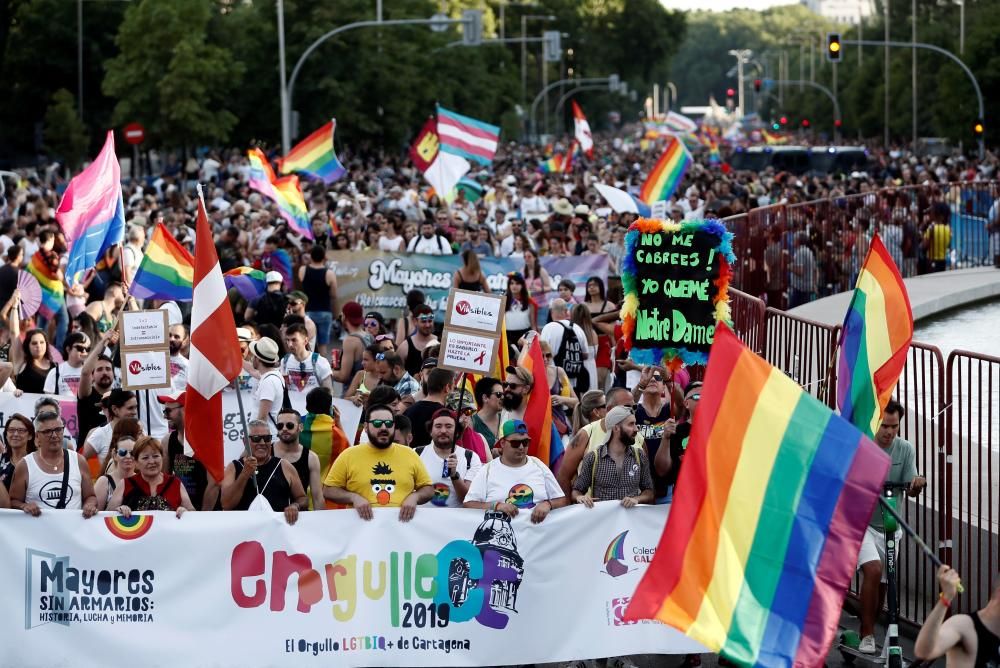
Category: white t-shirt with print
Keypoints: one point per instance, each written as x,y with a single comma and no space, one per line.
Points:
271,386
69,380
522,486
302,376
178,372
444,488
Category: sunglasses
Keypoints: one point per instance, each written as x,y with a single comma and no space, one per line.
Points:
287,425
512,386
124,452
658,378
498,395
468,411
55,431
379,424
383,337
262,438
519,443
372,323
426,318
81,349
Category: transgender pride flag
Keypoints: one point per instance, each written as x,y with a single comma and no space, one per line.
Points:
92,213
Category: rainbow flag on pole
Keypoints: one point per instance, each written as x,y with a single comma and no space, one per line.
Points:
545,442
667,173
91,212
769,511
285,192
166,271
874,342
315,156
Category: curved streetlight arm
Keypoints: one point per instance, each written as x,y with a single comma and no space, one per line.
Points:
554,84
827,91
574,91
943,52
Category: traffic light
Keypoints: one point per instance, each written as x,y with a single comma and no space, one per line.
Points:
805,122
730,92
833,47
756,85
836,123
784,120
552,46
472,31
775,126
978,127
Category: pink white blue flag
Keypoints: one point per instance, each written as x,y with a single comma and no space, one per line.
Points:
467,137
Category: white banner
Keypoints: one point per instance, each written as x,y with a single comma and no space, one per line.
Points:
240,589
25,405
232,426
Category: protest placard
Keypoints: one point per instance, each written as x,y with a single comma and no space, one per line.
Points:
144,330
145,369
676,282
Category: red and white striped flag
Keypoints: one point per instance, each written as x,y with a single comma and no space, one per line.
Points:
582,131
215,352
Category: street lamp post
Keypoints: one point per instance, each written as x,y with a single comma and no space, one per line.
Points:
524,51
742,57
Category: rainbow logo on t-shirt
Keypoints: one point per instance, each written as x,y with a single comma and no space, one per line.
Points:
441,494
521,496
129,528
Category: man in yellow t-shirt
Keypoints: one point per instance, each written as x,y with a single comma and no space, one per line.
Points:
937,237
379,473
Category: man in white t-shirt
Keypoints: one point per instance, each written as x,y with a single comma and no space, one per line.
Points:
429,242
451,484
132,252
303,369
64,379
178,363
515,481
120,404
270,388
571,356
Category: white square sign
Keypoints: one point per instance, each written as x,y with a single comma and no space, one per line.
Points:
144,329
475,310
145,369
462,351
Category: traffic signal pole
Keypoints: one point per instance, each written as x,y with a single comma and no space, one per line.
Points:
830,94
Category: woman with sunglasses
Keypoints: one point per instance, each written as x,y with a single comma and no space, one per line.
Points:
367,379
151,488
522,310
64,378
374,324
19,442
120,465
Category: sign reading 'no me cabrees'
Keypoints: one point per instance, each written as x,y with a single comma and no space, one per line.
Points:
676,282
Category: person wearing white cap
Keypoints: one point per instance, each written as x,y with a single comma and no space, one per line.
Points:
270,389
271,306
693,205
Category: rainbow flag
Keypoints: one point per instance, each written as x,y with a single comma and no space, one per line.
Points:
285,192
545,441
91,212
53,293
249,281
315,156
281,262
769,511
666,175
874,342
166,271
553,165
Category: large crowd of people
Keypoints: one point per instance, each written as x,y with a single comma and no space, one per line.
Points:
422,442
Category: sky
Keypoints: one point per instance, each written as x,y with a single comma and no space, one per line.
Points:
723,5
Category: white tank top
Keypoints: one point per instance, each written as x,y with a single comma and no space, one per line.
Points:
44,487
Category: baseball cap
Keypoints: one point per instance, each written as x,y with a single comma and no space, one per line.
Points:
273,277
429,363
243,334
522,374
353,313
512,427
615,417
265,349
298,295
173,398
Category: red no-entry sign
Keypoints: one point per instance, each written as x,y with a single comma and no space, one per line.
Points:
134,133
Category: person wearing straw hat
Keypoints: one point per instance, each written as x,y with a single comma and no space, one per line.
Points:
270,388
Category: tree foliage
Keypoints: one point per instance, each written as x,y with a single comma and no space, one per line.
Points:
66,136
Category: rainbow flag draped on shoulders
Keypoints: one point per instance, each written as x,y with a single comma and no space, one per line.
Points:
166,271
248,281
667,173
285,192
545,442
874,341
92,212
768,515
315,156
53,293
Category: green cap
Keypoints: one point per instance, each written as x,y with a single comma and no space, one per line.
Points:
512,427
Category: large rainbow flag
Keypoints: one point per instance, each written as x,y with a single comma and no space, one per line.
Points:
251,283
769,510
166,271
315,156
667,173
91,212
875,340
53,293
545,441
285,192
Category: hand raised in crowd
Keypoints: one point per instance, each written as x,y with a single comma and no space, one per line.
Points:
949,580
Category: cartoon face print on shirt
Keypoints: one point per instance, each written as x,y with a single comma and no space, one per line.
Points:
521,496
441,494
382,486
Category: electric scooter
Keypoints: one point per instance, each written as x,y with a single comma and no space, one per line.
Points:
891,654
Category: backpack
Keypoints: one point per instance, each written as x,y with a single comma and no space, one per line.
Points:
636,451
271,307
570,357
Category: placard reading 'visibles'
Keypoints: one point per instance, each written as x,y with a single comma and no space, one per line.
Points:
676,279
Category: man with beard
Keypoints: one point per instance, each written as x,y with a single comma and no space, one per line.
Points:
201,488
618,470
412,348
303,460
439,383
303,369
178,362
452,466
430,242
516,391
380,473
96,378
261,481
390,370
515,481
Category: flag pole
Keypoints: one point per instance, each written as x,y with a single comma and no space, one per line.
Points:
913,534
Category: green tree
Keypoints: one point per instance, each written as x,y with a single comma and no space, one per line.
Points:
65,134
170,76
